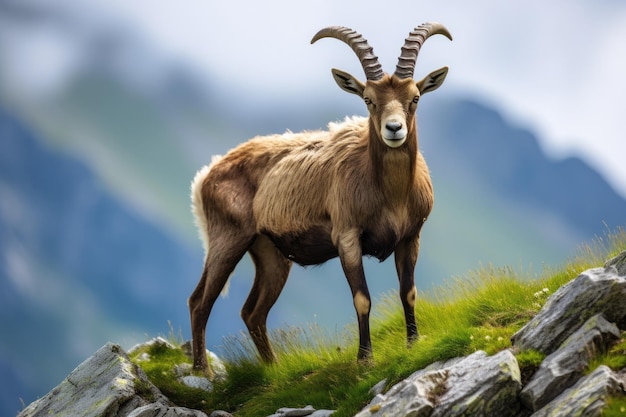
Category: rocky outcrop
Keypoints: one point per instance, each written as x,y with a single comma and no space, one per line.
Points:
567,364
579,321
587,397
595,291
106,385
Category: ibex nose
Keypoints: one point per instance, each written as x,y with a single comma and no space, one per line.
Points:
393,126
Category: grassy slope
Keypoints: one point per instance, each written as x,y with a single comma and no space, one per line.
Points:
478,311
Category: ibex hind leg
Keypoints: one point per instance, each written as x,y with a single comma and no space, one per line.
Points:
272,270
225,252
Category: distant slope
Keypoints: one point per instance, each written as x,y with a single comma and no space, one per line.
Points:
508,160
77,267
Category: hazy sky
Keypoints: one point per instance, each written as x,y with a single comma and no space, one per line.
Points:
556,67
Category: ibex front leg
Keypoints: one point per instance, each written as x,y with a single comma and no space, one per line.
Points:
350,254
406,257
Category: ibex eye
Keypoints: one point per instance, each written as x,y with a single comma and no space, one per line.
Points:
416,99
367,100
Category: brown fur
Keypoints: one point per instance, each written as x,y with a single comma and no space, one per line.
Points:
309,197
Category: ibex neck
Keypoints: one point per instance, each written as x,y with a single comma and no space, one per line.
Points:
393,169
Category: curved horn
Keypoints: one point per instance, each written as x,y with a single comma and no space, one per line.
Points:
412,45
369,61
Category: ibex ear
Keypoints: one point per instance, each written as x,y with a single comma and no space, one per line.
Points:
432,81
348,83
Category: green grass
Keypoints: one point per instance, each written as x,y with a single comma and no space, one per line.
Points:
616,407
480,311
615,358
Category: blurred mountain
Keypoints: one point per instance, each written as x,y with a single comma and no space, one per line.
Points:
490,163
78,267
477,141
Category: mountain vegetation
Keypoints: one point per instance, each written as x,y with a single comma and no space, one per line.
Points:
479,311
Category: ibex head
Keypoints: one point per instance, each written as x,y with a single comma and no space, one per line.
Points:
391,100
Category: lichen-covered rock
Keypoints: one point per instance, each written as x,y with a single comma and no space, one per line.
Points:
481,385
566,365
598,290
411,397
587,398
475,385
106,384
162,410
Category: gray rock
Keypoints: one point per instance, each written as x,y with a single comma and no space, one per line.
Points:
157,341
197,382
322,413
106,384
220,413
308,411
482,385
295,412
475,385
598,290
587,398
566,365
183,369
162,410
619,263
378,388
411,397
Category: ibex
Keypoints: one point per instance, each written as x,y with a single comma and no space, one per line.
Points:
360,188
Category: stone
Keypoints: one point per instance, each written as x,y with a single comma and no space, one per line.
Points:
408,397
157,341
566,365
597,290
378,388
308,411
619,263
106,384
162,410
219,369
587,398
322,413
475,385
215,363
220,413
198,382
295,412
482,385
